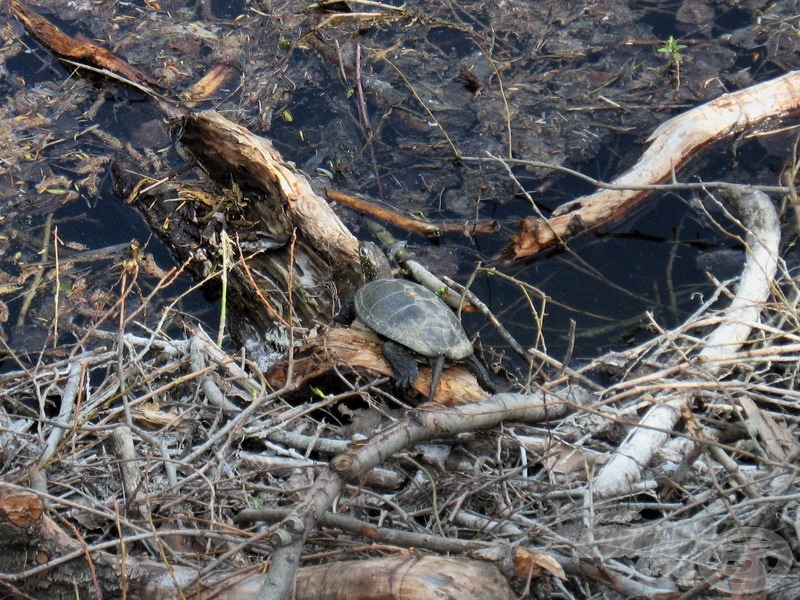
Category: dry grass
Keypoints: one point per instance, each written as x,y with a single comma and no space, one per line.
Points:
209,440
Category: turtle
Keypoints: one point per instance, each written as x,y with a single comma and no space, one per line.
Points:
414,322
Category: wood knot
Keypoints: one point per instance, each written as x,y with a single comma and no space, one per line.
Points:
343,464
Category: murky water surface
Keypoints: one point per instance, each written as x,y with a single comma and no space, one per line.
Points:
556,82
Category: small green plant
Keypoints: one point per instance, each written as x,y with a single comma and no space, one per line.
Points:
673,51
673,48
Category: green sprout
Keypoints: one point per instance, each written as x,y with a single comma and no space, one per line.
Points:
673,48
673,51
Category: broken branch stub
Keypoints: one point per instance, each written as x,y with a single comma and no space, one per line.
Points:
225,146
326,250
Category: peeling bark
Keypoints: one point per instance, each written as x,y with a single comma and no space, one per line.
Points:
671,145
361,349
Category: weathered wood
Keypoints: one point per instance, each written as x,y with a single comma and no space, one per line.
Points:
671,145
304,259
229,149
405,576
30,541
360,349
322,265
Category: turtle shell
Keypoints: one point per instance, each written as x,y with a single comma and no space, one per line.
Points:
413,316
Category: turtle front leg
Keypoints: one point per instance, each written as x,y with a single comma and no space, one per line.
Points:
403,364
437,363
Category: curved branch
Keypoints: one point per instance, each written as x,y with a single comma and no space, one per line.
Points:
671,145
763,238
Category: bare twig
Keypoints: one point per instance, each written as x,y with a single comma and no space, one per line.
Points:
288,540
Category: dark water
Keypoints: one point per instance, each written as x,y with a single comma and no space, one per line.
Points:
606,284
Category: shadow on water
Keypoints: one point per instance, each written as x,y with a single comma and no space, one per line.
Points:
103,242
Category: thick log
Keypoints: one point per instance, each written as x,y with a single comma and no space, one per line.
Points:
404,576
321,265
226,148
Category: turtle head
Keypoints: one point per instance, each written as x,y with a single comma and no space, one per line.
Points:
374,263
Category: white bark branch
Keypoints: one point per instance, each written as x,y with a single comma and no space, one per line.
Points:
763,237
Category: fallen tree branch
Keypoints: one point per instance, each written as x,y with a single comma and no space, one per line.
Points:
671,145
760,220
389,215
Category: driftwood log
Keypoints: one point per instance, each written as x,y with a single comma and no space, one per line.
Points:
670,146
